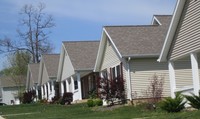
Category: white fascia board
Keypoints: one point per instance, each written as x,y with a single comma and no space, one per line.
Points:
28,77
40,72
100,52
60,63
172,30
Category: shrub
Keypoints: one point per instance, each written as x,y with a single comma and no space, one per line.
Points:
67,98
173,105
28,97
55,100
194,100
90,103
98,102
92,94
110,89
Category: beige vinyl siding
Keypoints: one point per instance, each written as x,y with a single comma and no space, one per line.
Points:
187,38
142,70
125,76
183,73
110,57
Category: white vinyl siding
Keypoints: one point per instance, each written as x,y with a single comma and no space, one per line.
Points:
142,70
187,38
183,74
110,57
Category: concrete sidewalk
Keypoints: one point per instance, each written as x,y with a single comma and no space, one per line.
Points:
1,117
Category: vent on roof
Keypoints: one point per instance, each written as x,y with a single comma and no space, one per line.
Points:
156,21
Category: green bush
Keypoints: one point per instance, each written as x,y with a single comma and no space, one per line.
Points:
90,103
98,102
173,105
194,100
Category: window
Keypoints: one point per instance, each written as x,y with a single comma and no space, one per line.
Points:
104,74
64,86
116,72
50,85
75,84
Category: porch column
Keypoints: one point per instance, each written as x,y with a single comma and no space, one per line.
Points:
45,89
79,85
172,78
52,88
49,92
72,83
89,82
36,92
67,86
62,88
42,92
195,73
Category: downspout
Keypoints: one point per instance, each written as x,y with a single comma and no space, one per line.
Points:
129,78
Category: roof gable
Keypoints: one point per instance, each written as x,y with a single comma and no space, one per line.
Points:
51,62
82,53
34,70
172,29
141,39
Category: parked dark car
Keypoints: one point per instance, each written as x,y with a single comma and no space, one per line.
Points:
2,104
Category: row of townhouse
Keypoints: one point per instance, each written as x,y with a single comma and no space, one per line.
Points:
169,46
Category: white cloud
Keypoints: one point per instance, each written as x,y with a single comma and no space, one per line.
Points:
102,10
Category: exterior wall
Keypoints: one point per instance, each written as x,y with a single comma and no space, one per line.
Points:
28,80
110,57
187,36
183,73
68,69
142,70
8,94
88,83
45,77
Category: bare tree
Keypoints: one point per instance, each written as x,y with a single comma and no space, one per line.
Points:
33,33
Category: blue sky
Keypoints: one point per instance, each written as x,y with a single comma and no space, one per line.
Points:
83,19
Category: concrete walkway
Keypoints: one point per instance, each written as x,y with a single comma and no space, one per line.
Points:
1,117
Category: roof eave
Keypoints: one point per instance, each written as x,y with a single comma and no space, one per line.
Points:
171,31
100,52
86,69
141,56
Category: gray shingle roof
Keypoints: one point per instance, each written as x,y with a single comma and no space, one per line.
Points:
51,62
34,69
82,53
6,82
140,40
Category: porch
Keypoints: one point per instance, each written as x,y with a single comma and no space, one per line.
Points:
79,84
184,74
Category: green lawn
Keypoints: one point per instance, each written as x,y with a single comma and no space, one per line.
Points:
81,111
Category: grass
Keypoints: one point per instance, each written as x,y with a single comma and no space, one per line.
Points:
81,111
